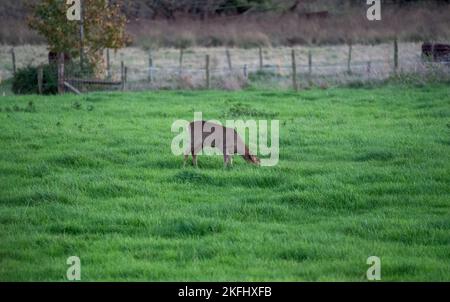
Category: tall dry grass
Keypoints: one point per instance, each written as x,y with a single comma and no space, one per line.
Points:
411,23
425,20
16,32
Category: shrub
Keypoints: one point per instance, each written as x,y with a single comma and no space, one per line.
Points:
232,83
185,82
25,80
239,110
261,75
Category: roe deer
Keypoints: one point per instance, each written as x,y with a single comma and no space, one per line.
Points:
227,140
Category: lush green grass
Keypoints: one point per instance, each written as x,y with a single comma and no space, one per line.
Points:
362,172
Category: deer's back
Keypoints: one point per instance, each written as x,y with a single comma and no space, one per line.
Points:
227,138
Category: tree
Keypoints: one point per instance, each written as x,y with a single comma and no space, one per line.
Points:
104,27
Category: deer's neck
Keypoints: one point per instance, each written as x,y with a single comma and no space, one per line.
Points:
246,153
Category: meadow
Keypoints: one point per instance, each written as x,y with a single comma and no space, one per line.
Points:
362,172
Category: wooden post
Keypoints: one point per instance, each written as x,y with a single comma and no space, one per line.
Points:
181,61
73,89
230,66
61,73
245,71
150,68
40,79
108,65
207,73
349,60
261,62
310,62
13,57
81,35
294,71
122,75
369,67
395,55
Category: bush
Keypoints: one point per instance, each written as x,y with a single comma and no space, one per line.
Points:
25,80
232,83
261,75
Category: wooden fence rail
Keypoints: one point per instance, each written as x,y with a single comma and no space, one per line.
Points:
94,82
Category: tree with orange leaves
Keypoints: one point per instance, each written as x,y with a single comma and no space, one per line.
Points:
104,27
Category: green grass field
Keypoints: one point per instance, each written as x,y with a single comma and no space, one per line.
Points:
362,172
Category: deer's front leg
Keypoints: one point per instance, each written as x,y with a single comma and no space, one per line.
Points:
196,149
226,160
194,160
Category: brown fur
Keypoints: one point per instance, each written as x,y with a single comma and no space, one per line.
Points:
197,145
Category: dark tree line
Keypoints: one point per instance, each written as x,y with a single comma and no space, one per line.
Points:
171,9
203,9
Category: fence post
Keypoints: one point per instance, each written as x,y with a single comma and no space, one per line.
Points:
261,62
150,68
61,73
245,71
309,62
81,24
181,61
369,67
349,60
13,57
230,66
294,71
207,73
108,65
40,78
122,75
395,55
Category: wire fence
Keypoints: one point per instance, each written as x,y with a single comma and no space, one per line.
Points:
269,76
232,69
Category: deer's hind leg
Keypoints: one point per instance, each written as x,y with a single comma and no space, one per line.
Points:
195,151
189,150
192,150
186,158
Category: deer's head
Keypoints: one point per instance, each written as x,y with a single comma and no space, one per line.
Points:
252,159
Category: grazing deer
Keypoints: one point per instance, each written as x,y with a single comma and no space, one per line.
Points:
226,139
